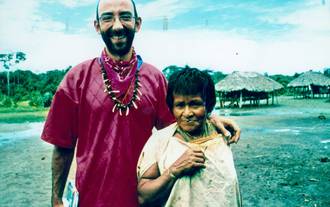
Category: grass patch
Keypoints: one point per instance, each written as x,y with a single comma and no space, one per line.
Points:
22,114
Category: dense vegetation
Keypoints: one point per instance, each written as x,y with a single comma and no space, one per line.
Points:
38,89
217,75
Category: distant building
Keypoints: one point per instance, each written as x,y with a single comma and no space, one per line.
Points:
239,87
309,84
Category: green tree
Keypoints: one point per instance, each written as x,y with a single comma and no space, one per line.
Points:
296,75
168,71
28,86
9,60
217,76
282,79
36,99
327,72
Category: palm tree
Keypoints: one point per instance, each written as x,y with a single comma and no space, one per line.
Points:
10,60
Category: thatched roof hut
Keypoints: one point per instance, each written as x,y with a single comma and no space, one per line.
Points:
310,83
246,86
310,78
250,81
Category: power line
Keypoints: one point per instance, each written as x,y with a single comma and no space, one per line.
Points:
165,23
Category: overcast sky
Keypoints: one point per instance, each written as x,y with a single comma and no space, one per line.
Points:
274,36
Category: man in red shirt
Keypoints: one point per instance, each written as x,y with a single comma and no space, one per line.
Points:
105,109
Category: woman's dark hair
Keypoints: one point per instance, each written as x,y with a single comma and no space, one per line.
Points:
191,81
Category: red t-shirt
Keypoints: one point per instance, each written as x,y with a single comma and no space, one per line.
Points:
108,145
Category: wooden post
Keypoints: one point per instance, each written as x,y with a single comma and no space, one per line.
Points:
310,88
258,101
241,99
220,99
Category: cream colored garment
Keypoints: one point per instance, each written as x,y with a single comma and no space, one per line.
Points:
214,186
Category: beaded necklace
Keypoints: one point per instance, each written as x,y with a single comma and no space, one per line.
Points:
118,104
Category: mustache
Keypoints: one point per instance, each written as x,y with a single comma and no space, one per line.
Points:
110,32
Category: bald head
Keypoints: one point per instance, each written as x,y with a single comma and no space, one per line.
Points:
103,1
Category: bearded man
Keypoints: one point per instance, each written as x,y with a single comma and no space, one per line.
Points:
105,109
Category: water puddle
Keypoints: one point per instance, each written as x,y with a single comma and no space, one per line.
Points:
14,132
272,130
325,141
271,111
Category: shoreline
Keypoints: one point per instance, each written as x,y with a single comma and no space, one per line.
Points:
19,115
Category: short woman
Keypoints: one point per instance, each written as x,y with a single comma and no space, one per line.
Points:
188,164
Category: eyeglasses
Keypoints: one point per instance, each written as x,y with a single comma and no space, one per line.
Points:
110,18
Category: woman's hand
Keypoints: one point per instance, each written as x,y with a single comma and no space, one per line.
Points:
153,186
189,162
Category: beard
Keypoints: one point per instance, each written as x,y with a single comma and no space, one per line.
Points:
119,48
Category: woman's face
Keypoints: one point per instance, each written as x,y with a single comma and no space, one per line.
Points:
189,112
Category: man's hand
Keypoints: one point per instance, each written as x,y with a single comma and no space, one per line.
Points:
61,162
228,127
58,205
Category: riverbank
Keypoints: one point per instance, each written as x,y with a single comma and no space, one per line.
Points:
22,114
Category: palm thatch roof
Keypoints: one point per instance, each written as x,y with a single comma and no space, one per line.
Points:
310,78
250,81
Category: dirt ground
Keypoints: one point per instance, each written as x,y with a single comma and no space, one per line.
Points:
283,157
